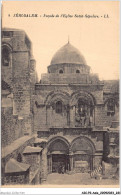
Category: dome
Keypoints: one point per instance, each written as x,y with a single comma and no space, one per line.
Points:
68,54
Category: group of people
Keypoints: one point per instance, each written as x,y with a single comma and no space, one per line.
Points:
84,120
61,169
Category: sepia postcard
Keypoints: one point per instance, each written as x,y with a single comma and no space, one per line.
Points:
60,94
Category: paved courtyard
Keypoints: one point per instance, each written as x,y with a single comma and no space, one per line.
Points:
77,179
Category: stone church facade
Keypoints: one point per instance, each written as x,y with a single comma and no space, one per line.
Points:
69,118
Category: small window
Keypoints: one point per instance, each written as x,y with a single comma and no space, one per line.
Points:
77,71
5,57
59,107
110,107
61,71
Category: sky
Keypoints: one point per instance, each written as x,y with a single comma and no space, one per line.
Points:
97,37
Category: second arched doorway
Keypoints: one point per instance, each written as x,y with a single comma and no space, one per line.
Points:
83,150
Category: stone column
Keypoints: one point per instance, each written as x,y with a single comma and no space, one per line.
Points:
44,165
71,161
91,162
46,115
51,163
2,171
37,179
51,116
72,116
48,164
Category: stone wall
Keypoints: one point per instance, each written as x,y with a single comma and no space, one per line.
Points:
101,117
69,68
11,126
17,178
33,159
17,120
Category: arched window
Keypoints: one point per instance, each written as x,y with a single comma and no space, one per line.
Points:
59,107
61,71
111,107
77,71
84,113
5,56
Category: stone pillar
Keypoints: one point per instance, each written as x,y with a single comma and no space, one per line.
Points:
51,163
68,114
51,116
71,161
2,171
46,115
91,162
72,116
37,179
49,158
44,165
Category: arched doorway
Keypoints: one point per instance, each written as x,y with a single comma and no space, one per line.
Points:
57,156
83,150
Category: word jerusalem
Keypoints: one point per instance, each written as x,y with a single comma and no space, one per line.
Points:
25,15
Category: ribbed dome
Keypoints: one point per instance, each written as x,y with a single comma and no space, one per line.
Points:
68,54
